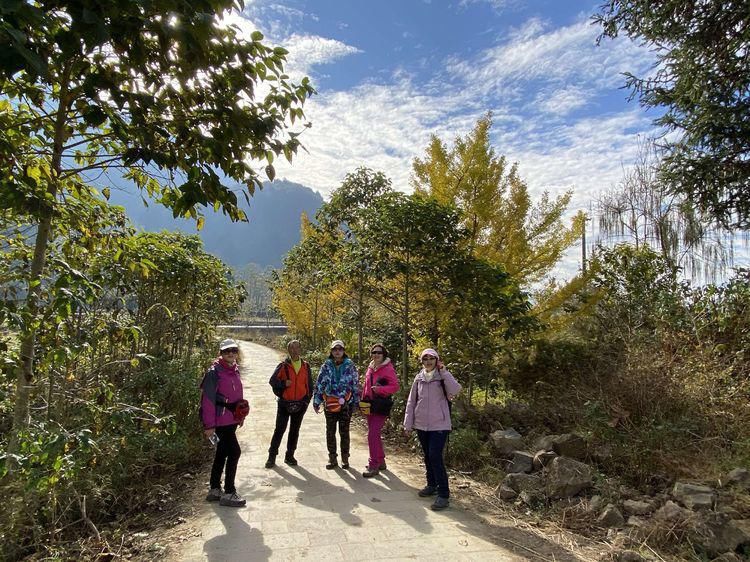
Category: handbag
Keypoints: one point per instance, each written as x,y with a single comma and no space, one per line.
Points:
333,403
294,406
377,404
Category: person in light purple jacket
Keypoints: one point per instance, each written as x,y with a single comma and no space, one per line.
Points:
428,411
222,403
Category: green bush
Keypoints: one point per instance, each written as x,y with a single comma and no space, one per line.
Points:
466,450
125,436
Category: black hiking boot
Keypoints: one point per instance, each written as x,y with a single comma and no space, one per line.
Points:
344,461
290,460
271,462
332,462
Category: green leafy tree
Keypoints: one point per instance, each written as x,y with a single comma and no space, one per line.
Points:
702,82
161,93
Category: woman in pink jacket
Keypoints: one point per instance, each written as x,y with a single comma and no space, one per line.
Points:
380,382
428,411
223,409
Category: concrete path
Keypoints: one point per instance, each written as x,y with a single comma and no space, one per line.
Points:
306,512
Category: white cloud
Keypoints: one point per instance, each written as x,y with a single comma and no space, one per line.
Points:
564,55
562,101
533,80
497,5
307,51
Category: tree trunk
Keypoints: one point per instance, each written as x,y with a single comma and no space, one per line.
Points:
25,371
360,327
405,335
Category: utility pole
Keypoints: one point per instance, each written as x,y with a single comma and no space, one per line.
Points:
583,245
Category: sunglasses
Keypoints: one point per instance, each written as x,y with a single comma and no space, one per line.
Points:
230,350
376,352
338,348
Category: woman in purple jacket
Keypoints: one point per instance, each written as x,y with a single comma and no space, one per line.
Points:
222,406
380,382
428,411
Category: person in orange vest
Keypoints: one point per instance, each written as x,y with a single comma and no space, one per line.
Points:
292,383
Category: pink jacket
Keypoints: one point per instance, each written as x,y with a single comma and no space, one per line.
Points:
221,383
384,377
427,407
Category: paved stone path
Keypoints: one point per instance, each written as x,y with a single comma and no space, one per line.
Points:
306,512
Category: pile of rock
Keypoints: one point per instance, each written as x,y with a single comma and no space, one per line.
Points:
556,470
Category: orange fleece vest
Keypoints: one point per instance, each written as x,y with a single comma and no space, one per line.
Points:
298,389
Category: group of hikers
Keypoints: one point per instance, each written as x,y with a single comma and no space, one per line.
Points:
338,392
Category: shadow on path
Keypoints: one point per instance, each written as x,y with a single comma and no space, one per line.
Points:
238,539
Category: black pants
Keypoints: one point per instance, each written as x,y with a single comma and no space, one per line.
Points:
282,419
433,445
342,418
227,452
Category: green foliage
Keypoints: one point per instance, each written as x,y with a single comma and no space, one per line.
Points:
466,450
179,95
647,367
162,94
384,266
111,441
702,81
637,293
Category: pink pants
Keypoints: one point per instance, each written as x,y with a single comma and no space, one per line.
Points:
375,423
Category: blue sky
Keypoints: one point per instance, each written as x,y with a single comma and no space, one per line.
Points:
391,73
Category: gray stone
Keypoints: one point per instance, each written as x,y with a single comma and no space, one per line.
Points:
543,458
602,453
611,517
739,477
595,504
567,477
635,521
570,445
506,493
635,507
670,511
694,496
534,499
716,534
505,441
521,462
545,442
520,482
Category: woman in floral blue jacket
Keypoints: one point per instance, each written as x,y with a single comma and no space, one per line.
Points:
336,389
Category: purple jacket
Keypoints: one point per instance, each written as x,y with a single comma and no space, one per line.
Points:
220,383
385,387
427,407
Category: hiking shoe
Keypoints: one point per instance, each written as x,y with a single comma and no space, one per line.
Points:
214,495
332,463
382,466
290,460
232,500
344,462
370,472
440,503
271,462
427,491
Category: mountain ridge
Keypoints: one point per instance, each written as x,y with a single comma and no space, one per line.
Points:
273,226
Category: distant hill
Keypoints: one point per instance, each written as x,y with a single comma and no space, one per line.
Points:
273,227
